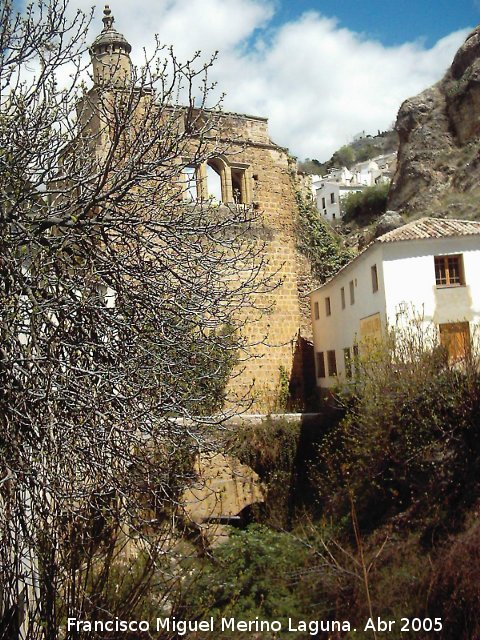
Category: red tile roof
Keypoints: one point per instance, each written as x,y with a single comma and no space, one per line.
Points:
432,228
421,229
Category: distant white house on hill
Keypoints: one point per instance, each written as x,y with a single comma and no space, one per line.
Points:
329,190
430,267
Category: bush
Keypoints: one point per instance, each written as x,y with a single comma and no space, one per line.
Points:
455,595
367,204
270,448
411,426
317,241
254,573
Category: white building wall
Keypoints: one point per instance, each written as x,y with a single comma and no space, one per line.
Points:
328,210
409,273
341,329
406,286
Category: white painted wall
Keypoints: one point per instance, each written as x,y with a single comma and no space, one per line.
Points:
341,328
331,210
406,285
410,279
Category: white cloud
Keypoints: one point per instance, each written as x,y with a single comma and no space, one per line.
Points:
318,83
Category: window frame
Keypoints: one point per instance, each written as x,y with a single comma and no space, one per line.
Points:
342,297
320,361
443,262
332,363
456,339
191,190
316,311
351,285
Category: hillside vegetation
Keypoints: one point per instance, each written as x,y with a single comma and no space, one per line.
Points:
372,513
356,151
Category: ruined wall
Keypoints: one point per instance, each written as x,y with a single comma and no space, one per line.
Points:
277,357
278,331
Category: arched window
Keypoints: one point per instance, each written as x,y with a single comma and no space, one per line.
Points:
215,183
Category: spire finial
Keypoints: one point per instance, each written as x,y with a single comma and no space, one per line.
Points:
107,18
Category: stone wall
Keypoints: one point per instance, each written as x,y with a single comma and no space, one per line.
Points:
276,335
266,175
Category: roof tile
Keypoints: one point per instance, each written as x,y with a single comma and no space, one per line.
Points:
432,228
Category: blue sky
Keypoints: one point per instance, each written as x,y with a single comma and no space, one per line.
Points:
392,22
320,71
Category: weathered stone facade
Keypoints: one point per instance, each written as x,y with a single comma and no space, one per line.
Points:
258,173
276,335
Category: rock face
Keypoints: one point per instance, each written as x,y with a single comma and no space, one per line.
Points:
439,133
388,222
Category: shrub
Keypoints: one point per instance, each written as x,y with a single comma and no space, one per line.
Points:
270,448
254,573
367,204
411,426
317,241
455,595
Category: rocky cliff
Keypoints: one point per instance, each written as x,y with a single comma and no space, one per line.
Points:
439,133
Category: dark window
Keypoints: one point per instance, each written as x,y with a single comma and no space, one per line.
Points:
332,198
316,311
347,358
328,307
374,278
332,363
352,292
449,271
323,203
342,296
239,186
320,365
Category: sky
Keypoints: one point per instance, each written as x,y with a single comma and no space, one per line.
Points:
320,71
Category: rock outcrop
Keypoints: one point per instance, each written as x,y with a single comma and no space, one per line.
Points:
438,167
388,222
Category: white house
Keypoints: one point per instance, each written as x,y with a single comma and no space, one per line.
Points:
430,266
329,190
328,195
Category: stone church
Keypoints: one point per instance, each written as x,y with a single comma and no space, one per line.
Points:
260,174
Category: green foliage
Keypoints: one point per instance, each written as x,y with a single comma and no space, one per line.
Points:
366,204
402,461
270,448
317,241
357,151
198,367
312,167
283,390
410,427
344,157
254,573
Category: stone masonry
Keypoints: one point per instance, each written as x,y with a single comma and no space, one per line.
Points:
256,172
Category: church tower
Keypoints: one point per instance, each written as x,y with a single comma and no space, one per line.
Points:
256,173
110,54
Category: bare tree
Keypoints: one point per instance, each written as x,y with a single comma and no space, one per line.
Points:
122,306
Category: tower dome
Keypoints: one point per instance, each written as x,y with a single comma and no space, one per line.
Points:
110,54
